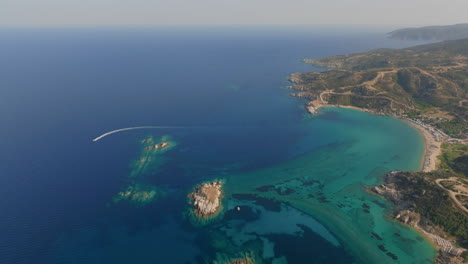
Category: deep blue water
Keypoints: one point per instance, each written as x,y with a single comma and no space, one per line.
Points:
60,88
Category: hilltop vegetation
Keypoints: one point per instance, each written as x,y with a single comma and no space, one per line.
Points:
451,32
429,82
432,203
435,201
454,159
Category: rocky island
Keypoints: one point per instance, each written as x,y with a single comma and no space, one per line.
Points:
161,145
206,199
164,143
157,146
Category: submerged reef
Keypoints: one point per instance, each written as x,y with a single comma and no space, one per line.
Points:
245,260
248,257
138,193
148,162
150,157
224,250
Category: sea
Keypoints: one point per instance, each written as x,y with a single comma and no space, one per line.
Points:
295,186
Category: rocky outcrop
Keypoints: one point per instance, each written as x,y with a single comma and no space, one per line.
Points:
161,145
401,189
206,199
312,109
389,191
408,217
241,261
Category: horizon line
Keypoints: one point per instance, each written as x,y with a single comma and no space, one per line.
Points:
202,25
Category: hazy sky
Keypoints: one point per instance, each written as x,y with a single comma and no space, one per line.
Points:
91,12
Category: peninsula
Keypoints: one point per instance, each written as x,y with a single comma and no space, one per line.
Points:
450,32
427,86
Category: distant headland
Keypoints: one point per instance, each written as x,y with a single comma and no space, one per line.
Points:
451,32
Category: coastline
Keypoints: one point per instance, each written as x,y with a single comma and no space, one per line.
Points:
447,251
431,150
313,107
431,145
432,141
429,237
316,86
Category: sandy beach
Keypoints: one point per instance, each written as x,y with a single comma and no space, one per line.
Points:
432,146
314,106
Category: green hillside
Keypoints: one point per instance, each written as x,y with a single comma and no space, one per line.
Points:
429,82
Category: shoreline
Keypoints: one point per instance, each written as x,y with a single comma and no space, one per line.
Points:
206,200
446,249
431,145
431,150
314,107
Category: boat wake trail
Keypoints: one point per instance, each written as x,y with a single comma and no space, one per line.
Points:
131,128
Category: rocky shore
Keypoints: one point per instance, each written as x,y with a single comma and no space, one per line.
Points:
405,212
206,199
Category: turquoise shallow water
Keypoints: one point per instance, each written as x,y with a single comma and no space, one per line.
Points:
329,183
313,207
299,180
